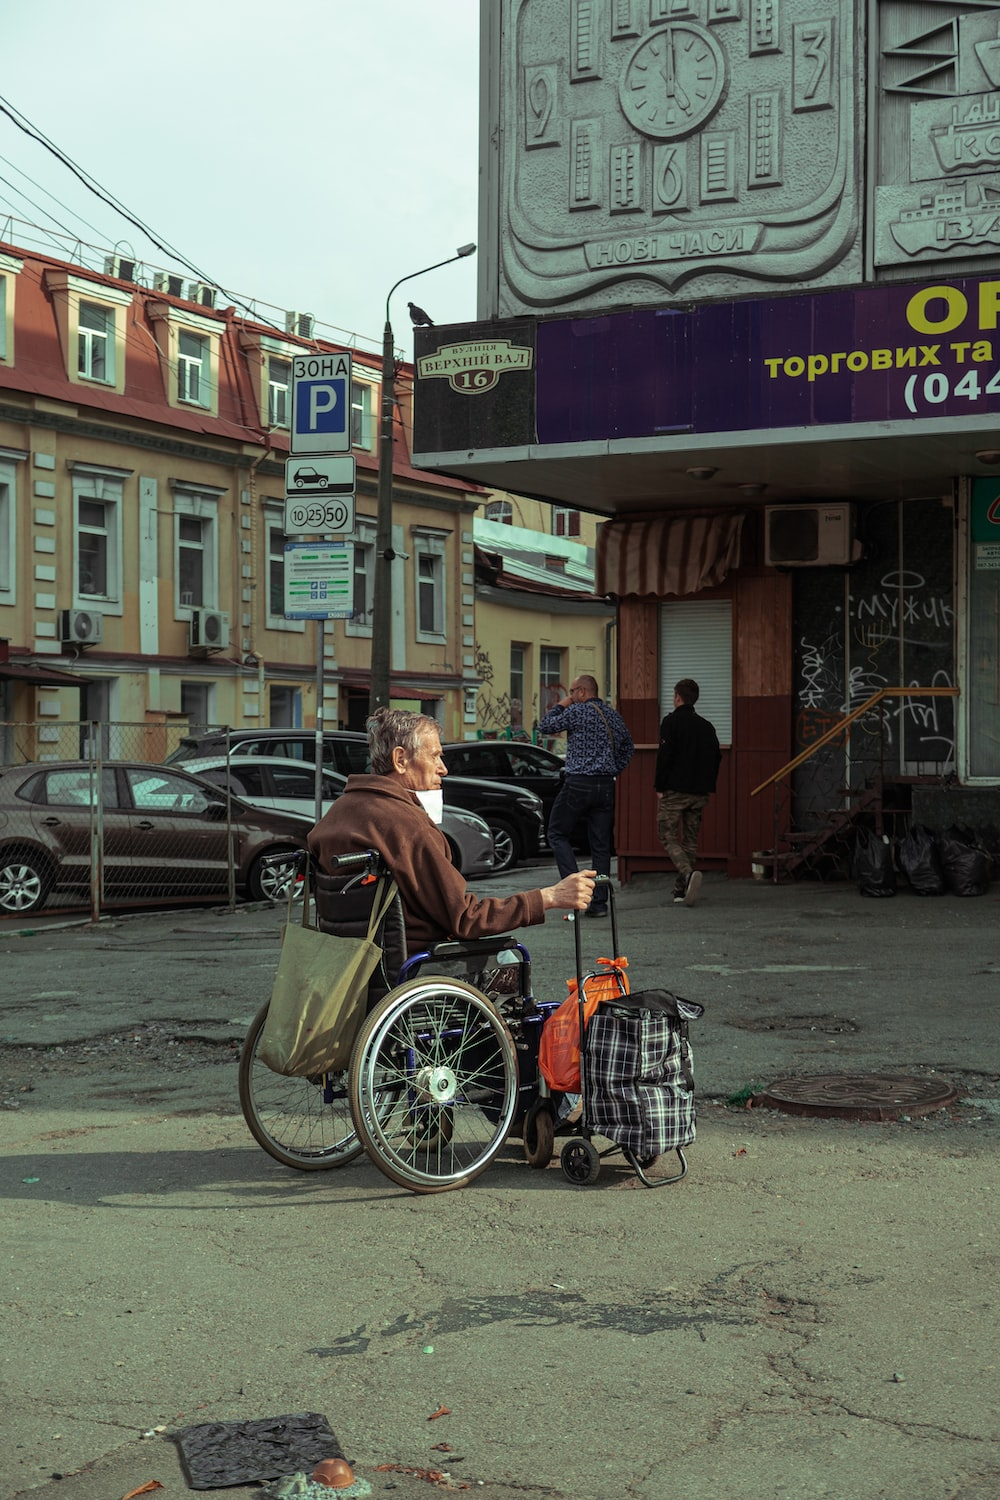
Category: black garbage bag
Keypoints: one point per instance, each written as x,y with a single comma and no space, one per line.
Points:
987,838
920,861
217,1455
966,867
873,866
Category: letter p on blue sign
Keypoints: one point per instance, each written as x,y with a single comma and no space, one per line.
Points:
321,404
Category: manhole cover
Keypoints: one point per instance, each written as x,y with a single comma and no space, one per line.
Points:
856,1096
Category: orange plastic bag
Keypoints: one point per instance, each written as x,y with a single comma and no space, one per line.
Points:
559,1044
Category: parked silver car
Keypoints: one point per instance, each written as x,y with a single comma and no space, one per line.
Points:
277,784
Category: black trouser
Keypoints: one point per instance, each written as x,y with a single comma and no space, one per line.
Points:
589,799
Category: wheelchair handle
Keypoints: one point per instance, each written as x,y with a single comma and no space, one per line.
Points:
368,859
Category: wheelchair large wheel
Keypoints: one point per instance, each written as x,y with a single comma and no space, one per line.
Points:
433,1084
301,1122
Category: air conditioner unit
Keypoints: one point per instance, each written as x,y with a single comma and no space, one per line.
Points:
209,631
81,627
205,295
809,536
120,266
301,324
172,285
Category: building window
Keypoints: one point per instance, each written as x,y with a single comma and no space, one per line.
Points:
97,537
364,579
361,415
285,704
196,552
8,522
192,541
95,342
279,379
550,677
193,382
275,571
428,551
198,704
500,510
517,663
3,317
565,522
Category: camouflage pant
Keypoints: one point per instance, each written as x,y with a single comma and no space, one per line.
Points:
678,822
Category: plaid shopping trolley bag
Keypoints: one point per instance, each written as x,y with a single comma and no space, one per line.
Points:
638,1075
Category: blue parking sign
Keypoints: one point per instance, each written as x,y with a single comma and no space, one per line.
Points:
321,403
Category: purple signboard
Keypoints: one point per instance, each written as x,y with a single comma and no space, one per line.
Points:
875,355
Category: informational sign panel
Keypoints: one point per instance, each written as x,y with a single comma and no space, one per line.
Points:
321,403
319,580
319,493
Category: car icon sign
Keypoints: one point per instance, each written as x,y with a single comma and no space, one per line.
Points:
309,476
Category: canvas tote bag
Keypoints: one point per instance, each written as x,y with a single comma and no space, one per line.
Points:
320,991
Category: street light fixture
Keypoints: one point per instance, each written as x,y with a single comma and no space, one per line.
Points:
381,601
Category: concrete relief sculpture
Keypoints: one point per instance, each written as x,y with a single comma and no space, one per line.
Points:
938,191
649,146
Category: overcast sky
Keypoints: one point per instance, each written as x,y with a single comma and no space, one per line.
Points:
305,154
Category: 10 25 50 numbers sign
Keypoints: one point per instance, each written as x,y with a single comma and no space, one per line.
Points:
319,515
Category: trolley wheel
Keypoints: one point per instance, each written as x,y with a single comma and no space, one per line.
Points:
539,1135
580,1161
433,1084
301,1122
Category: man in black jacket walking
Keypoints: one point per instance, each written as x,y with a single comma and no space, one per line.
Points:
687,768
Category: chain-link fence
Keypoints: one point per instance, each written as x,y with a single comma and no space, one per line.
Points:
60,739
92,818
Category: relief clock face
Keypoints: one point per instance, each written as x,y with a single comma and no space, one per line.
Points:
674,80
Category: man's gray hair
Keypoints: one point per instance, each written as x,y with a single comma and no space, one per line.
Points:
395,728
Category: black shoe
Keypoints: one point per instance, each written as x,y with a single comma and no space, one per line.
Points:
596,911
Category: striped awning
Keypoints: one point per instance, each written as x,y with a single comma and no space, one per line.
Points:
666,555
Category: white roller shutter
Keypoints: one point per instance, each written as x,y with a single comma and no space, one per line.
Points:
696,640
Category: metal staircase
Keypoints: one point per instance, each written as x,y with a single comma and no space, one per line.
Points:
823,851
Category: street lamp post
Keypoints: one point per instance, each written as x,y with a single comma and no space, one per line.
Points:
384,554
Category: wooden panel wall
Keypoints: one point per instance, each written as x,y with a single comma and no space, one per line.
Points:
735,824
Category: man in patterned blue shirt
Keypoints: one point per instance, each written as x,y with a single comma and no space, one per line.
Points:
598,747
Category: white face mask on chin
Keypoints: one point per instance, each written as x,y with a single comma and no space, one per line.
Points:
432,803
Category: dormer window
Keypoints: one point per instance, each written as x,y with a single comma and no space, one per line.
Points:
279,380
192,369
91,318
95,342
189,345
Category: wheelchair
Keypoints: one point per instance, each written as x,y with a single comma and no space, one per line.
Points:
444,1068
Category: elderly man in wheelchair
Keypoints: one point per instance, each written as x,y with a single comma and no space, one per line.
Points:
445,1063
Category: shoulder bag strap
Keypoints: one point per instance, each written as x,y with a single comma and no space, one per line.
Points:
384,897
607,726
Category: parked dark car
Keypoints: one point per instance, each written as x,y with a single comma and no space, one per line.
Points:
515,816
344,750
527,767
290,786
165,834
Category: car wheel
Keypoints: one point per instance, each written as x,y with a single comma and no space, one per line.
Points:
25,882
266,882
456,854
506,845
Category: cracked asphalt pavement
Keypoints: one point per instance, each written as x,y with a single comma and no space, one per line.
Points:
809,1315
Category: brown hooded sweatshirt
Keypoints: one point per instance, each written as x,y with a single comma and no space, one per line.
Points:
375,812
